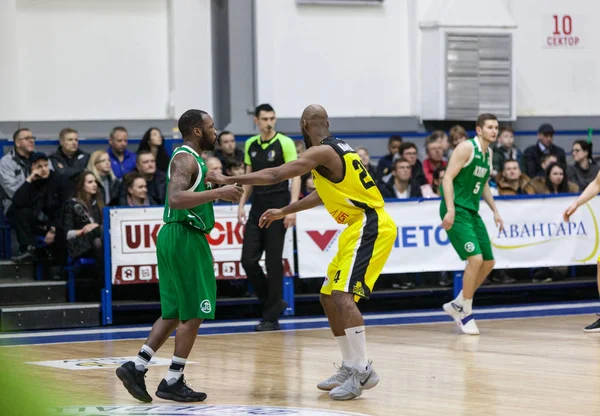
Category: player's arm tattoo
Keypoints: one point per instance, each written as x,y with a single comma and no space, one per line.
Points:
183,168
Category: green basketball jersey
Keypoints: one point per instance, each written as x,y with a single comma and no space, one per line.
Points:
469,183
201,217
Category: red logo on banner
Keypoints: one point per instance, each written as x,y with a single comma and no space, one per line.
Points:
562,34
322,239
227,232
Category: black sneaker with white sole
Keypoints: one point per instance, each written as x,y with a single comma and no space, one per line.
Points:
179,392
134,381
595,327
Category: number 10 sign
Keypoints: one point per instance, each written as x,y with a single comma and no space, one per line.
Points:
560,31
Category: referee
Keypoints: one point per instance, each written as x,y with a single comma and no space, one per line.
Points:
268,149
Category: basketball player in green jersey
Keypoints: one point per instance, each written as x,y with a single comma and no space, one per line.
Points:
185,265
465,182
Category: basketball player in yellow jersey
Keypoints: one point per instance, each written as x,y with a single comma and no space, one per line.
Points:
590,192
349,193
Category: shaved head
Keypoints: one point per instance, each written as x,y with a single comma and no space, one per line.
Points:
314,112
314,125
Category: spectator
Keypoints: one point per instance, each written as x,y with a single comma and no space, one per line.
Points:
555,182
153,141
458,134
384,166
237,168
511,181
156,180
506,150
68,160
300,147
442,137
15,166
228,152
83,219
214,164
136,191
435,155
438,175
122,160
410,152
109,185
365,158
401,187
538,182
584,169
533,154
36,208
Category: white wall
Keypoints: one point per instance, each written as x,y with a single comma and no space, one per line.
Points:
352,60
556,81
105,59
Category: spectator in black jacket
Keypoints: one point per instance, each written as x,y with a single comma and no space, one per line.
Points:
68,160
400,186
584,169
533,154
36,208
384,166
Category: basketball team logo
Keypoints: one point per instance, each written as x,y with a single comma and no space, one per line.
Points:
469,247
271,155
205,306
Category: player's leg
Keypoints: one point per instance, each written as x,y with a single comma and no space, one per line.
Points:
370,246
132,373
595,327
466,244
337,328
485,246
195,289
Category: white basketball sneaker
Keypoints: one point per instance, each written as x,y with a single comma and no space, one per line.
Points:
465,322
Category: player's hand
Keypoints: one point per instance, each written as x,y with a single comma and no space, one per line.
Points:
216,177
231,193
570,211
289,220
269,216
448,221
242,217
498,221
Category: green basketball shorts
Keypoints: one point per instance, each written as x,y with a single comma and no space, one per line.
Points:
468,235
186,276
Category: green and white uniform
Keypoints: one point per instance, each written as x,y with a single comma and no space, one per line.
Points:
468,235
188,288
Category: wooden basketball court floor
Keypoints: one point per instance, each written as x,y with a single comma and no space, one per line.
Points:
527,361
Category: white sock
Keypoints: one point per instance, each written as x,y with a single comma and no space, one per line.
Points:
358,343
175,370
347,353
459,299
143,357
467,306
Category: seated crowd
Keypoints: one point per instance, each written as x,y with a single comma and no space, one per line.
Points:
54,202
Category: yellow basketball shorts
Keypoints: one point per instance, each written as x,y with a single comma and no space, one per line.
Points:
363,249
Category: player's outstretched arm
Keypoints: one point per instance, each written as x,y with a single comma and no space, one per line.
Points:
590,191
183,168
459,157
310,201
307,161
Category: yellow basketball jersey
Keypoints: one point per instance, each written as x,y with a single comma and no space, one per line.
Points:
356,192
